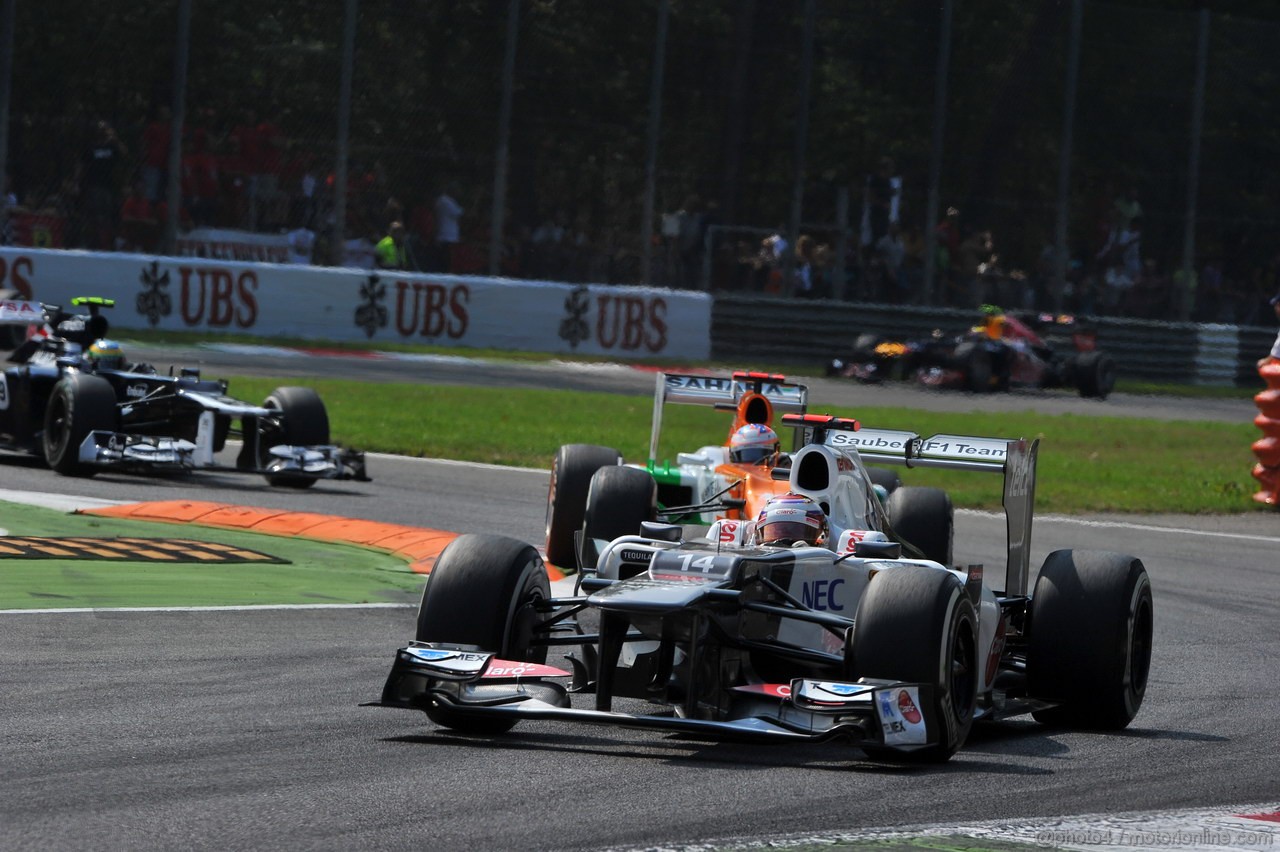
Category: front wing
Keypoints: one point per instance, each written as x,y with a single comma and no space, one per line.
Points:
120,449
469,682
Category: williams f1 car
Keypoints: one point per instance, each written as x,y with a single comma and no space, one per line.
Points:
724,637
592,489
84,413
1004,352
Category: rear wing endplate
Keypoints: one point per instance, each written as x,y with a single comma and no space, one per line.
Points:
723,391
1015,459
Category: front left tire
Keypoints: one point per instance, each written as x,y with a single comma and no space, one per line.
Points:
484,590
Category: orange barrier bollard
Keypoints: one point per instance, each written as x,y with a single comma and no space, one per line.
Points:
1267,448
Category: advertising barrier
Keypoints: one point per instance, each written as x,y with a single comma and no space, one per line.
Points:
199,294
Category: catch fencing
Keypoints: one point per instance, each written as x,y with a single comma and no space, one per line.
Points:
570,131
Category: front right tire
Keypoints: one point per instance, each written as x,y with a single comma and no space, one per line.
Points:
79,404
302,422
917,624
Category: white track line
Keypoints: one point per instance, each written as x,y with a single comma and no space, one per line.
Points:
1125,525
236,608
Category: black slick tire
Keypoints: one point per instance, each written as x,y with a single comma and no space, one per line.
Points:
618,501
923,518
483,591
975,363
1095,374
1089,647
571,473
79,404
303,422
885,478
917,624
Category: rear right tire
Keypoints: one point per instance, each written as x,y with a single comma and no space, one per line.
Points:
1091,630
923,518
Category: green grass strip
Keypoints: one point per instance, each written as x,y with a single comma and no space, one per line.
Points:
318,572
1087,464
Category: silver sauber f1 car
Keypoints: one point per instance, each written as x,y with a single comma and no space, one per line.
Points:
68,395
735,632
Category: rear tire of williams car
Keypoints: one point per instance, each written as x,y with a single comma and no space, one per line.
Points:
483,591
1089,647
303,422
925,518
917,624
571,473
80,404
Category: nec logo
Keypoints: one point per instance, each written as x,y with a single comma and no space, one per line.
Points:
820,594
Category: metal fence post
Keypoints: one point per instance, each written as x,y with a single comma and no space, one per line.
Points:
651,149
935,151
1188,294
173,189
337,245
1061,248
499,214
802,143
6,82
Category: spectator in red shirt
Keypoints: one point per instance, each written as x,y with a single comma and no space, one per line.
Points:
155,154
139,227
200,179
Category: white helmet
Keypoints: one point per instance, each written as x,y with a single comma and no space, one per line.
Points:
753,443
790,518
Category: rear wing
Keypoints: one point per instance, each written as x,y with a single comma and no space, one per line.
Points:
13,312
723,392
1013,458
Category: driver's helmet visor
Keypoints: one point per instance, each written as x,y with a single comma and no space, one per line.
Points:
752,455
788,531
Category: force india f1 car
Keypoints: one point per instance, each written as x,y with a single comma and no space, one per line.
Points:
591,489
1005,351
718,637
83,416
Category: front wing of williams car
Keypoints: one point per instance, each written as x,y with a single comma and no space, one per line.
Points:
213,411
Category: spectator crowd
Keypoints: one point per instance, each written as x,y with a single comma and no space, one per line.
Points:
240,173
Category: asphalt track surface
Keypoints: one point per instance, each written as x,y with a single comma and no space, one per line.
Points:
241,729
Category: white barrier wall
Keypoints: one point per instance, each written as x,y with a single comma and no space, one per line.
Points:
195,294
